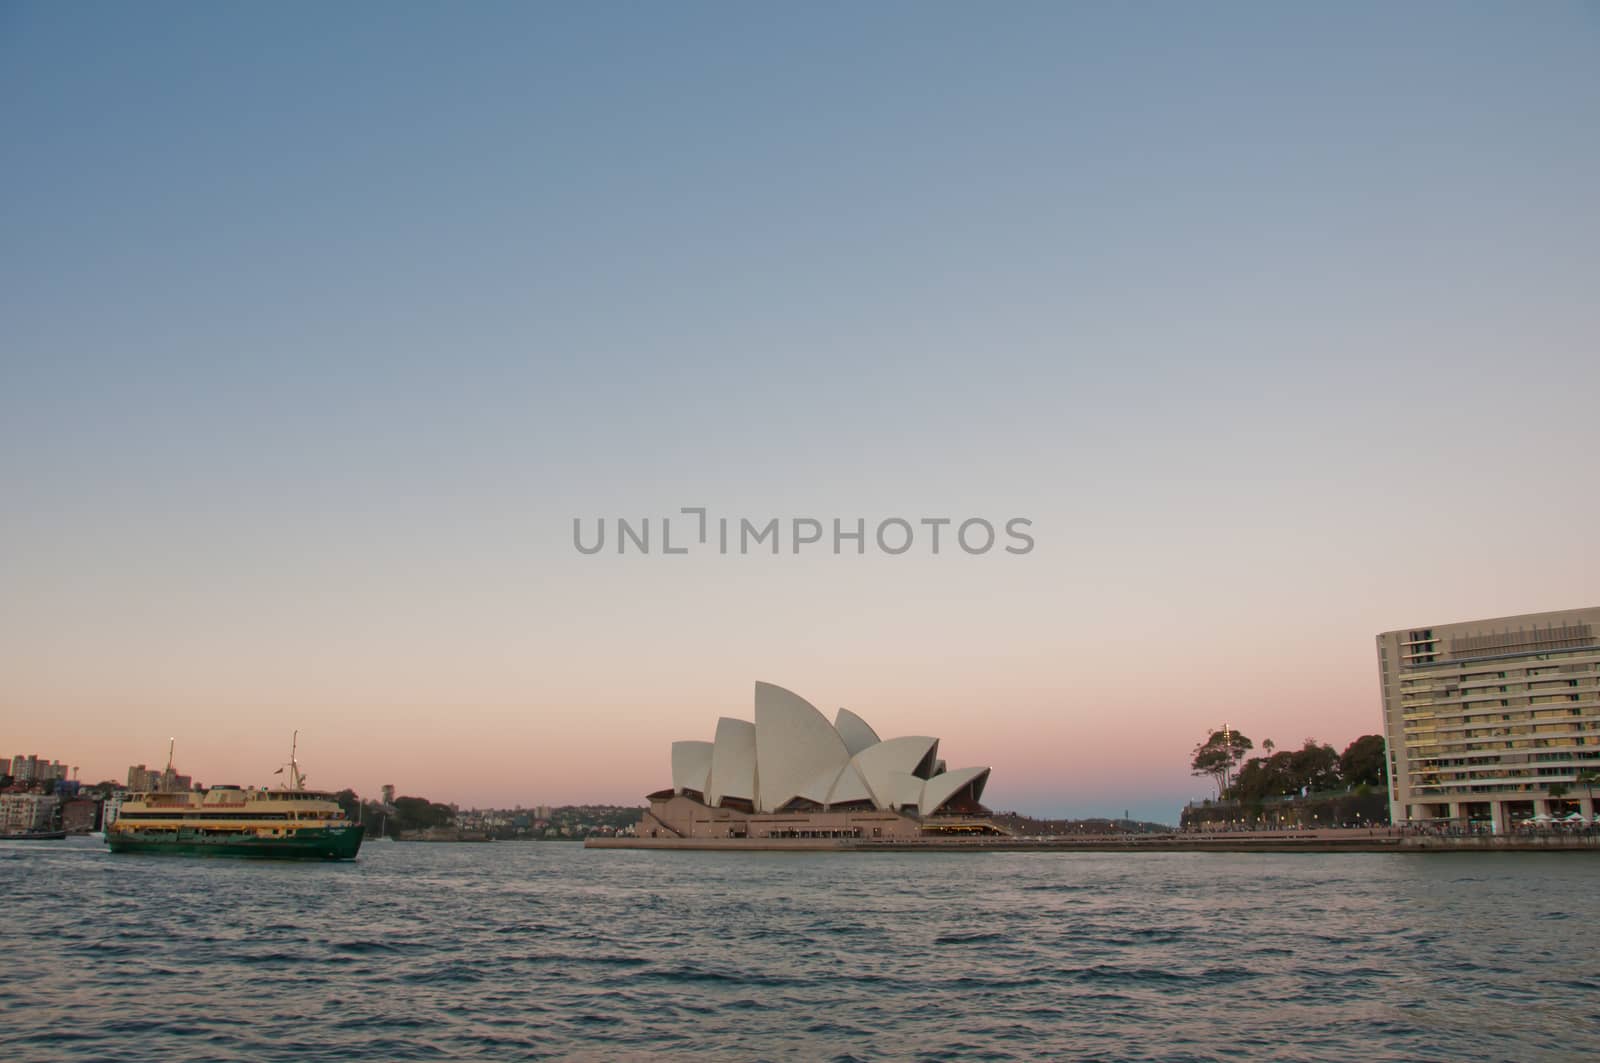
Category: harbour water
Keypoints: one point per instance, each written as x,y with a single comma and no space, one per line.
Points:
544,950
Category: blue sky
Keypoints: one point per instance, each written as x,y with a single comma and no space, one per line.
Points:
325,321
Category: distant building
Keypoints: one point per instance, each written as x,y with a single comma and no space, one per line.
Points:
31,768
25,812
79,814
388,793
1483,718
144,780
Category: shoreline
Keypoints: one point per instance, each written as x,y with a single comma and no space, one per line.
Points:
1327,841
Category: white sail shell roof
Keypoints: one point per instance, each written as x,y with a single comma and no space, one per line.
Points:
820,785
854,730
941,788
691,766
898,755
901,788
733,762
850,786
795,746
792,751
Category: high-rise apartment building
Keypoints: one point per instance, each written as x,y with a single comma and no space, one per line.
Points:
149,780
1492,721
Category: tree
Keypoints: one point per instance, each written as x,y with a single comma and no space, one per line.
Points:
1268,777
350,803
1363,762
418,813
1316,766
1218,755
1588,777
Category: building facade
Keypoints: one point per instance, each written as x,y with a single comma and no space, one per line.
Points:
1492,722
80,815
28,812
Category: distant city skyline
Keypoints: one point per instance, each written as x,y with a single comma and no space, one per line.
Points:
321,326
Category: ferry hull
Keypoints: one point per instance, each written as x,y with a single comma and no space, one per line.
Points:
338,843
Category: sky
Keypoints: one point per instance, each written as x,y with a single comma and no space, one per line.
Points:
319,326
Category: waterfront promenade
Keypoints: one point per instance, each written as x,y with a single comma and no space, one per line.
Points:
1333,840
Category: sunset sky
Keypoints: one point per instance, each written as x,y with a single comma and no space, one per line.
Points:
320,325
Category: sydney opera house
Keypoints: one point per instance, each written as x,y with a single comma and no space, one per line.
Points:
791,775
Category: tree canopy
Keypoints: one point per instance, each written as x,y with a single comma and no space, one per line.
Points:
1219,754
406,814
418,813
1314,767
1363,762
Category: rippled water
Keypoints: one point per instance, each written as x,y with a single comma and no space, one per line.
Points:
527,951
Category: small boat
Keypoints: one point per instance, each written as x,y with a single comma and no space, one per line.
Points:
34,836
380,836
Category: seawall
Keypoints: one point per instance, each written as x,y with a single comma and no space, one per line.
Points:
1326,841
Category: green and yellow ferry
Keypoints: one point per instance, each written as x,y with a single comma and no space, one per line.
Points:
287,823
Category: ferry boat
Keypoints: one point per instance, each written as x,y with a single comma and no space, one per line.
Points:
290,822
